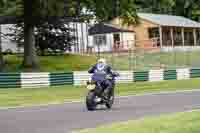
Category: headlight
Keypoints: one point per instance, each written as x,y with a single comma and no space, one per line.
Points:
91,87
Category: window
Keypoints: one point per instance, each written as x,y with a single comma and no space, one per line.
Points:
100,40
189,38
116,37
153,33
167,37
177,37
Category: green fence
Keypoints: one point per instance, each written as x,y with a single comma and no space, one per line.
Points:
17,80
141,76
10,80
61,78
194,73
170,75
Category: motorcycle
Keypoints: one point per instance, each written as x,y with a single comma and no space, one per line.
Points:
98,94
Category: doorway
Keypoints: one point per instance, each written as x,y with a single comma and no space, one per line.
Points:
116,39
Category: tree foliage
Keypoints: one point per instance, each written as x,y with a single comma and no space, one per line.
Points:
105,10
36,13
186,8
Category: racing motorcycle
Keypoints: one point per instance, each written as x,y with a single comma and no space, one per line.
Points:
98,94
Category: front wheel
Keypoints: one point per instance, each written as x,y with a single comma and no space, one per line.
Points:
110,102
90,101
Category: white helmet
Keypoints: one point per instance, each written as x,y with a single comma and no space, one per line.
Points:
102,60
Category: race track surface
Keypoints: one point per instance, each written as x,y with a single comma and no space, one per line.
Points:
64,118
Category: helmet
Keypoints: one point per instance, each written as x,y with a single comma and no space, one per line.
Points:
102,60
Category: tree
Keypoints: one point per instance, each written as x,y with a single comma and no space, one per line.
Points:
31,12
56,36
196,11
101,9
1,54
106,10
24,9
5,8
155,6
188,8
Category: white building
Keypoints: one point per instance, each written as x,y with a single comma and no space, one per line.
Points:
106,38
6,43
81,35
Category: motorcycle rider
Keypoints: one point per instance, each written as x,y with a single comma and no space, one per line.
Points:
101,67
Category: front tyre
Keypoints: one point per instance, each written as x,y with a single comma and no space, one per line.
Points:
110,102
90,101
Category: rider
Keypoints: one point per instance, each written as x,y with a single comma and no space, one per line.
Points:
103,68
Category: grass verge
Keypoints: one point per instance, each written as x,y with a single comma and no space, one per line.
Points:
143,61
188,122
67,62
35,96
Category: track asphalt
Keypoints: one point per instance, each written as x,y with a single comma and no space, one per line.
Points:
63,118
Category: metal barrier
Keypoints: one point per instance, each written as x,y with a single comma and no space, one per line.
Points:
29,80
170,75
141,76
195,73
61,78
32,80
10,80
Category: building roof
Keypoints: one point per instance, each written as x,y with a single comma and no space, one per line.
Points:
169,20
103,28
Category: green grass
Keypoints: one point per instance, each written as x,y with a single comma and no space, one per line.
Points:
35,96
60,63
147,61
119,62
188,122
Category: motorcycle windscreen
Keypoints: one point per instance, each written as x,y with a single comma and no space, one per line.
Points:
98,77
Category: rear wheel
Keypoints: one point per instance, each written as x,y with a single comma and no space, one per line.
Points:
90,101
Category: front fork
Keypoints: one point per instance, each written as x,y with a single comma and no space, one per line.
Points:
108,95
101,92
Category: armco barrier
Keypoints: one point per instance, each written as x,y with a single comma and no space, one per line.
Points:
125,77
156,75
34,79
183,74
141,76
31,80
10,80
194,73
61,78
170,75
80,78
